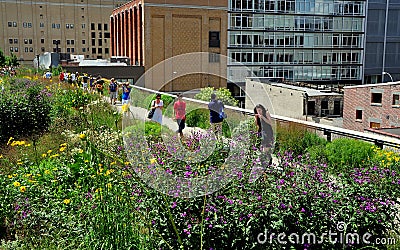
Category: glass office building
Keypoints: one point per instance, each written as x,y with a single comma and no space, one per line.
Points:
318,41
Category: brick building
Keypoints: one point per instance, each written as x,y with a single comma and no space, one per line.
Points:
372,106
151,31
80,27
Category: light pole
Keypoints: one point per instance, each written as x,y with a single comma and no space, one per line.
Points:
386,73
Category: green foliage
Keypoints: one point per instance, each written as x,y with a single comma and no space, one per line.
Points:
11,60
348,153
295,138
24,111
198,118
56,71
223,95
2,58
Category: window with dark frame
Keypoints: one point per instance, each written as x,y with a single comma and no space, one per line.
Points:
214,39
376,98
359,114
396,99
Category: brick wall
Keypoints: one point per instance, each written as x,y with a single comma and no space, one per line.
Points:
359,98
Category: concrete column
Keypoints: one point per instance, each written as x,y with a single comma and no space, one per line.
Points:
140,38
112,36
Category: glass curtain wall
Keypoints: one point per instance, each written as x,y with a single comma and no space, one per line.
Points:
300,40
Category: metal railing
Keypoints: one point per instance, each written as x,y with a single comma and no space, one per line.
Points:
327,130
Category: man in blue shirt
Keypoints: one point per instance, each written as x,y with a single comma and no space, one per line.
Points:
216,107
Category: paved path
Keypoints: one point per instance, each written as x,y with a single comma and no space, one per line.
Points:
140,113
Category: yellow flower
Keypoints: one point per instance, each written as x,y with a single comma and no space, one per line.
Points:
62,149
44,155
47,171
28,145
63,145
108,172
86,161
9,140
125,108
55,155
17,184
112,163
49,151
67,201
15,175
109,185
19,163
153,161
28,175
9,176
22,189
1,156
80,151
100,165
82,136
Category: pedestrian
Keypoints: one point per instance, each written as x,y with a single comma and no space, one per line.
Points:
264,123
180,114
61,77
113,89
100,85
157,105
126,90
85,82
216,108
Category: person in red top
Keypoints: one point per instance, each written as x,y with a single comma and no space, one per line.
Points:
180,114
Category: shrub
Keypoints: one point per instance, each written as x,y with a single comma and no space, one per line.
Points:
24,111
223,95
295,138
348,153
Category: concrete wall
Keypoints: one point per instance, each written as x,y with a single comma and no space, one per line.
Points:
280,101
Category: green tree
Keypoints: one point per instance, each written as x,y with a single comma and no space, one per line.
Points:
223,94
2,58
11,60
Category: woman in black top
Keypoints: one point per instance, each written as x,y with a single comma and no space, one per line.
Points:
263,121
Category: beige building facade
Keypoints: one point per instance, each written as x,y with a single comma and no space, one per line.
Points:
150,32
32,27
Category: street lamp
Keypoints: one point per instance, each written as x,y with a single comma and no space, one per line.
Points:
386,73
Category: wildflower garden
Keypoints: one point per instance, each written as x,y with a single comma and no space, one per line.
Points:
78,174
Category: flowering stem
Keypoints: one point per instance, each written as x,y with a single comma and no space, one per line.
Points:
172,222
202,222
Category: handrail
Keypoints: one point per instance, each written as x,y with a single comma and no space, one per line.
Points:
328,130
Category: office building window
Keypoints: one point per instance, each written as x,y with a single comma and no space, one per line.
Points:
24,24
106,26
41,25
99,50
83,25
93,42
30,49
29,25
67,26
11,49
100,42
72,50
10,41
9,24
15,41
42,49
25,41
93,34
99,26
30,41
68,50
359,114
396,99
107,50
92,27
26,49
15,49
376,98
83,49
83,41
41,16
15,25
93,50
42,40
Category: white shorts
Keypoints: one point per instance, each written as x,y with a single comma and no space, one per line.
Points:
125,101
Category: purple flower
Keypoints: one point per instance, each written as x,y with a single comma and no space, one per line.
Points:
302,210
183,214
173,205
281,181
